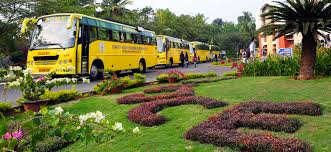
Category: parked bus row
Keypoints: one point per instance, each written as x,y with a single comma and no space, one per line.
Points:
76,44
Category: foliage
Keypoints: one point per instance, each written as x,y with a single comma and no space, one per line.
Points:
5,107
200,75
108,86
310,18
56,123
206,80
273,66
161,89
146,114
50,144
60,96
32,89
278,66
124,82
162,77
140,98
176,74
221,130
231,74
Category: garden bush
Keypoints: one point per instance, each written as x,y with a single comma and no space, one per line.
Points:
221,130
5,107
207,80
200,75
277,66
162,78
146,113
50,144
231,74
140,98
60,96
170,88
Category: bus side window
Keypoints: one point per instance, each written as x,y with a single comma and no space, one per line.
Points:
128,38
103,34
153,42
146,41
139,39
115,36
93,34
122,37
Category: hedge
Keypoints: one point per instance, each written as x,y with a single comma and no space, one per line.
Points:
221,130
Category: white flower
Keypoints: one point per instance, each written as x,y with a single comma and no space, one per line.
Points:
99,117
15,68
27,71
135,130
58,111
86,80
74,80
14,84
118,126
82,119
68,80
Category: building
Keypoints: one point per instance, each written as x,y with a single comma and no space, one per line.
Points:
287,41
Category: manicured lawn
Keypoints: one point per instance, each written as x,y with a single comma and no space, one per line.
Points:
169,137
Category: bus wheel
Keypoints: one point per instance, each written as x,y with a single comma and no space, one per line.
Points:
96,72
142,66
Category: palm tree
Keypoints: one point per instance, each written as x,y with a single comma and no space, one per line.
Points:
311,18
114,7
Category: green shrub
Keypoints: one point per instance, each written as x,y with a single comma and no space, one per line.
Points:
162,78
273,66
60,96
234,74
277,66
5,107
139,78
206,80
50,144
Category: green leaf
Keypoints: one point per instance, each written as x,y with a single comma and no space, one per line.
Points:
55,122
44,111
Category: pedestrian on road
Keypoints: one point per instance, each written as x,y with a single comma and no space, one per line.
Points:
264,54
186,59
182,59
195,59
252,48
244,57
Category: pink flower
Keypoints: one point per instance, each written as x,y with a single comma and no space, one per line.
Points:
7,136
17,134
41,79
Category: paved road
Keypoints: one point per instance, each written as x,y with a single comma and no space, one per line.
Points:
14,95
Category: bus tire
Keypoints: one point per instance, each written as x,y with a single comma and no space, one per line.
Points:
142,66
96,70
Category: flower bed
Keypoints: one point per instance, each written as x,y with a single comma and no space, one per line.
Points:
171,88
206,80
221,130
146,115
140,98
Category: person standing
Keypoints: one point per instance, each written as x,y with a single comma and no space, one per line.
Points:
264,54
182,59
195,59
186,59
252,48
244,57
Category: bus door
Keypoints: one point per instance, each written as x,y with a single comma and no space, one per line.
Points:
85,49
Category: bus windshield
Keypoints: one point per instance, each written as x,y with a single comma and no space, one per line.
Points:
51,33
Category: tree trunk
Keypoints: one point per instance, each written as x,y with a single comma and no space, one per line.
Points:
308,57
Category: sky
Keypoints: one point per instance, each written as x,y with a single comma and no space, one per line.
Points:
228,10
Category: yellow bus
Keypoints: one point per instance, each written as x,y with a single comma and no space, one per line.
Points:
202,50
170,48
76,44
215,50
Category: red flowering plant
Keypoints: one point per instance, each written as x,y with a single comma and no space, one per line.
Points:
176,74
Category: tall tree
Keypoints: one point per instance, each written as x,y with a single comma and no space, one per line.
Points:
246,24
218,22
112,8
308,17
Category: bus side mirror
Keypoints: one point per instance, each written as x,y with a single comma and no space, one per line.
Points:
26,22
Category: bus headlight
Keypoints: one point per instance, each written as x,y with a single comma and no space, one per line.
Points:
60,62
65,61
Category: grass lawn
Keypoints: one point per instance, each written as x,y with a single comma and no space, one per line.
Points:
169,137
